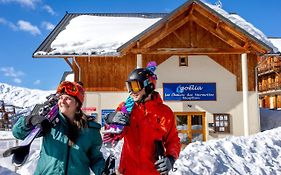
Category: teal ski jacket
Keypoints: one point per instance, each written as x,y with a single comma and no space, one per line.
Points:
56,157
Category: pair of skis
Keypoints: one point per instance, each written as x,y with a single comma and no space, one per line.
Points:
20,153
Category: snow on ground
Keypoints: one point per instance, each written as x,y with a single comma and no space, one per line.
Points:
6,135
6,171
256,154
6,141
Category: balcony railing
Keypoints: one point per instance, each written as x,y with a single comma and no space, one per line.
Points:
270,86
273,66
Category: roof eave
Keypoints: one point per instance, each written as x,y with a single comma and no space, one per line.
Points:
73,55
261,43
55,30
136,38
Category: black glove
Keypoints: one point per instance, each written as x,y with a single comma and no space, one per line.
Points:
110,166
117,117
39,121
164,165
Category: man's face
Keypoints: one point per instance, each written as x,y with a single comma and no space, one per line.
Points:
137,95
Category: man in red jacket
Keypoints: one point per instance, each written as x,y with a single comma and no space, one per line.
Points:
150,121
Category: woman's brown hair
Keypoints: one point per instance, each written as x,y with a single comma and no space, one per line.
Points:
74,129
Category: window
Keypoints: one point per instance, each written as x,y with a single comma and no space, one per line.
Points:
222,123
183,60
191,127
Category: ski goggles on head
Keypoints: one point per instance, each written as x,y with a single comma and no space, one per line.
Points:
70,88
134,86
73,89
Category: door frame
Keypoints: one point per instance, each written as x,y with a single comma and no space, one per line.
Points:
189,130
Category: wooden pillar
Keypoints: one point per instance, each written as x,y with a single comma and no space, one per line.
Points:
245,93
139,60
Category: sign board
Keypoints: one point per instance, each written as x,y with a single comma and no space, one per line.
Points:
89,111
104,112
94,115
189,91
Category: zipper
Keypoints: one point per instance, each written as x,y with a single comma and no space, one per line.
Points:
139,130
139,119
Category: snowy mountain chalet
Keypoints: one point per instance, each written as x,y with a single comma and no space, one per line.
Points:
206,64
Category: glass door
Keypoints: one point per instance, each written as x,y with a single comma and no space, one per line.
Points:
183,131
191,127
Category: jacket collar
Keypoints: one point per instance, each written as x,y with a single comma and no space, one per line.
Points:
155,99
62,118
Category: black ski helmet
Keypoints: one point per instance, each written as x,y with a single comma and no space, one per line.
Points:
141,78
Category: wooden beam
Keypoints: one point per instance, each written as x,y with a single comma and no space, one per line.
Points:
202,38
166,32
68,62
180,39
228,36
248,45
253,45
182,11
216,19
228,27
189,51
218,34
192,35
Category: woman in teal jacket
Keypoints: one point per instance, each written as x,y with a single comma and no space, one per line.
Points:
71,145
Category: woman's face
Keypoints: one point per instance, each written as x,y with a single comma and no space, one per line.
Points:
67,105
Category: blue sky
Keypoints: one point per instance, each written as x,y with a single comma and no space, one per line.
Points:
24,24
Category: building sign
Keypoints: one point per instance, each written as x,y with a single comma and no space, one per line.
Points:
94,116
89,109
189,91
104,112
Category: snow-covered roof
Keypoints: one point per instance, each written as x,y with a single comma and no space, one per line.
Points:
276,42
96,34
92,34
244,25
234,19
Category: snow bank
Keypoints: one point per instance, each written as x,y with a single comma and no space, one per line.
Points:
256,154
6,171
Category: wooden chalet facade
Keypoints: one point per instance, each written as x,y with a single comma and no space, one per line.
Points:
269,79
192,44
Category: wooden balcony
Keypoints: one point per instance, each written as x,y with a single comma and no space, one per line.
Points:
270,86
274,66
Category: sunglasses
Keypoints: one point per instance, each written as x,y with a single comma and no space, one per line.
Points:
69,88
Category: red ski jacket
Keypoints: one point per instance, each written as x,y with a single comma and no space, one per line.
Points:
149,121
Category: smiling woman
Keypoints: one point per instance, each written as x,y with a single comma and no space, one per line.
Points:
71,145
